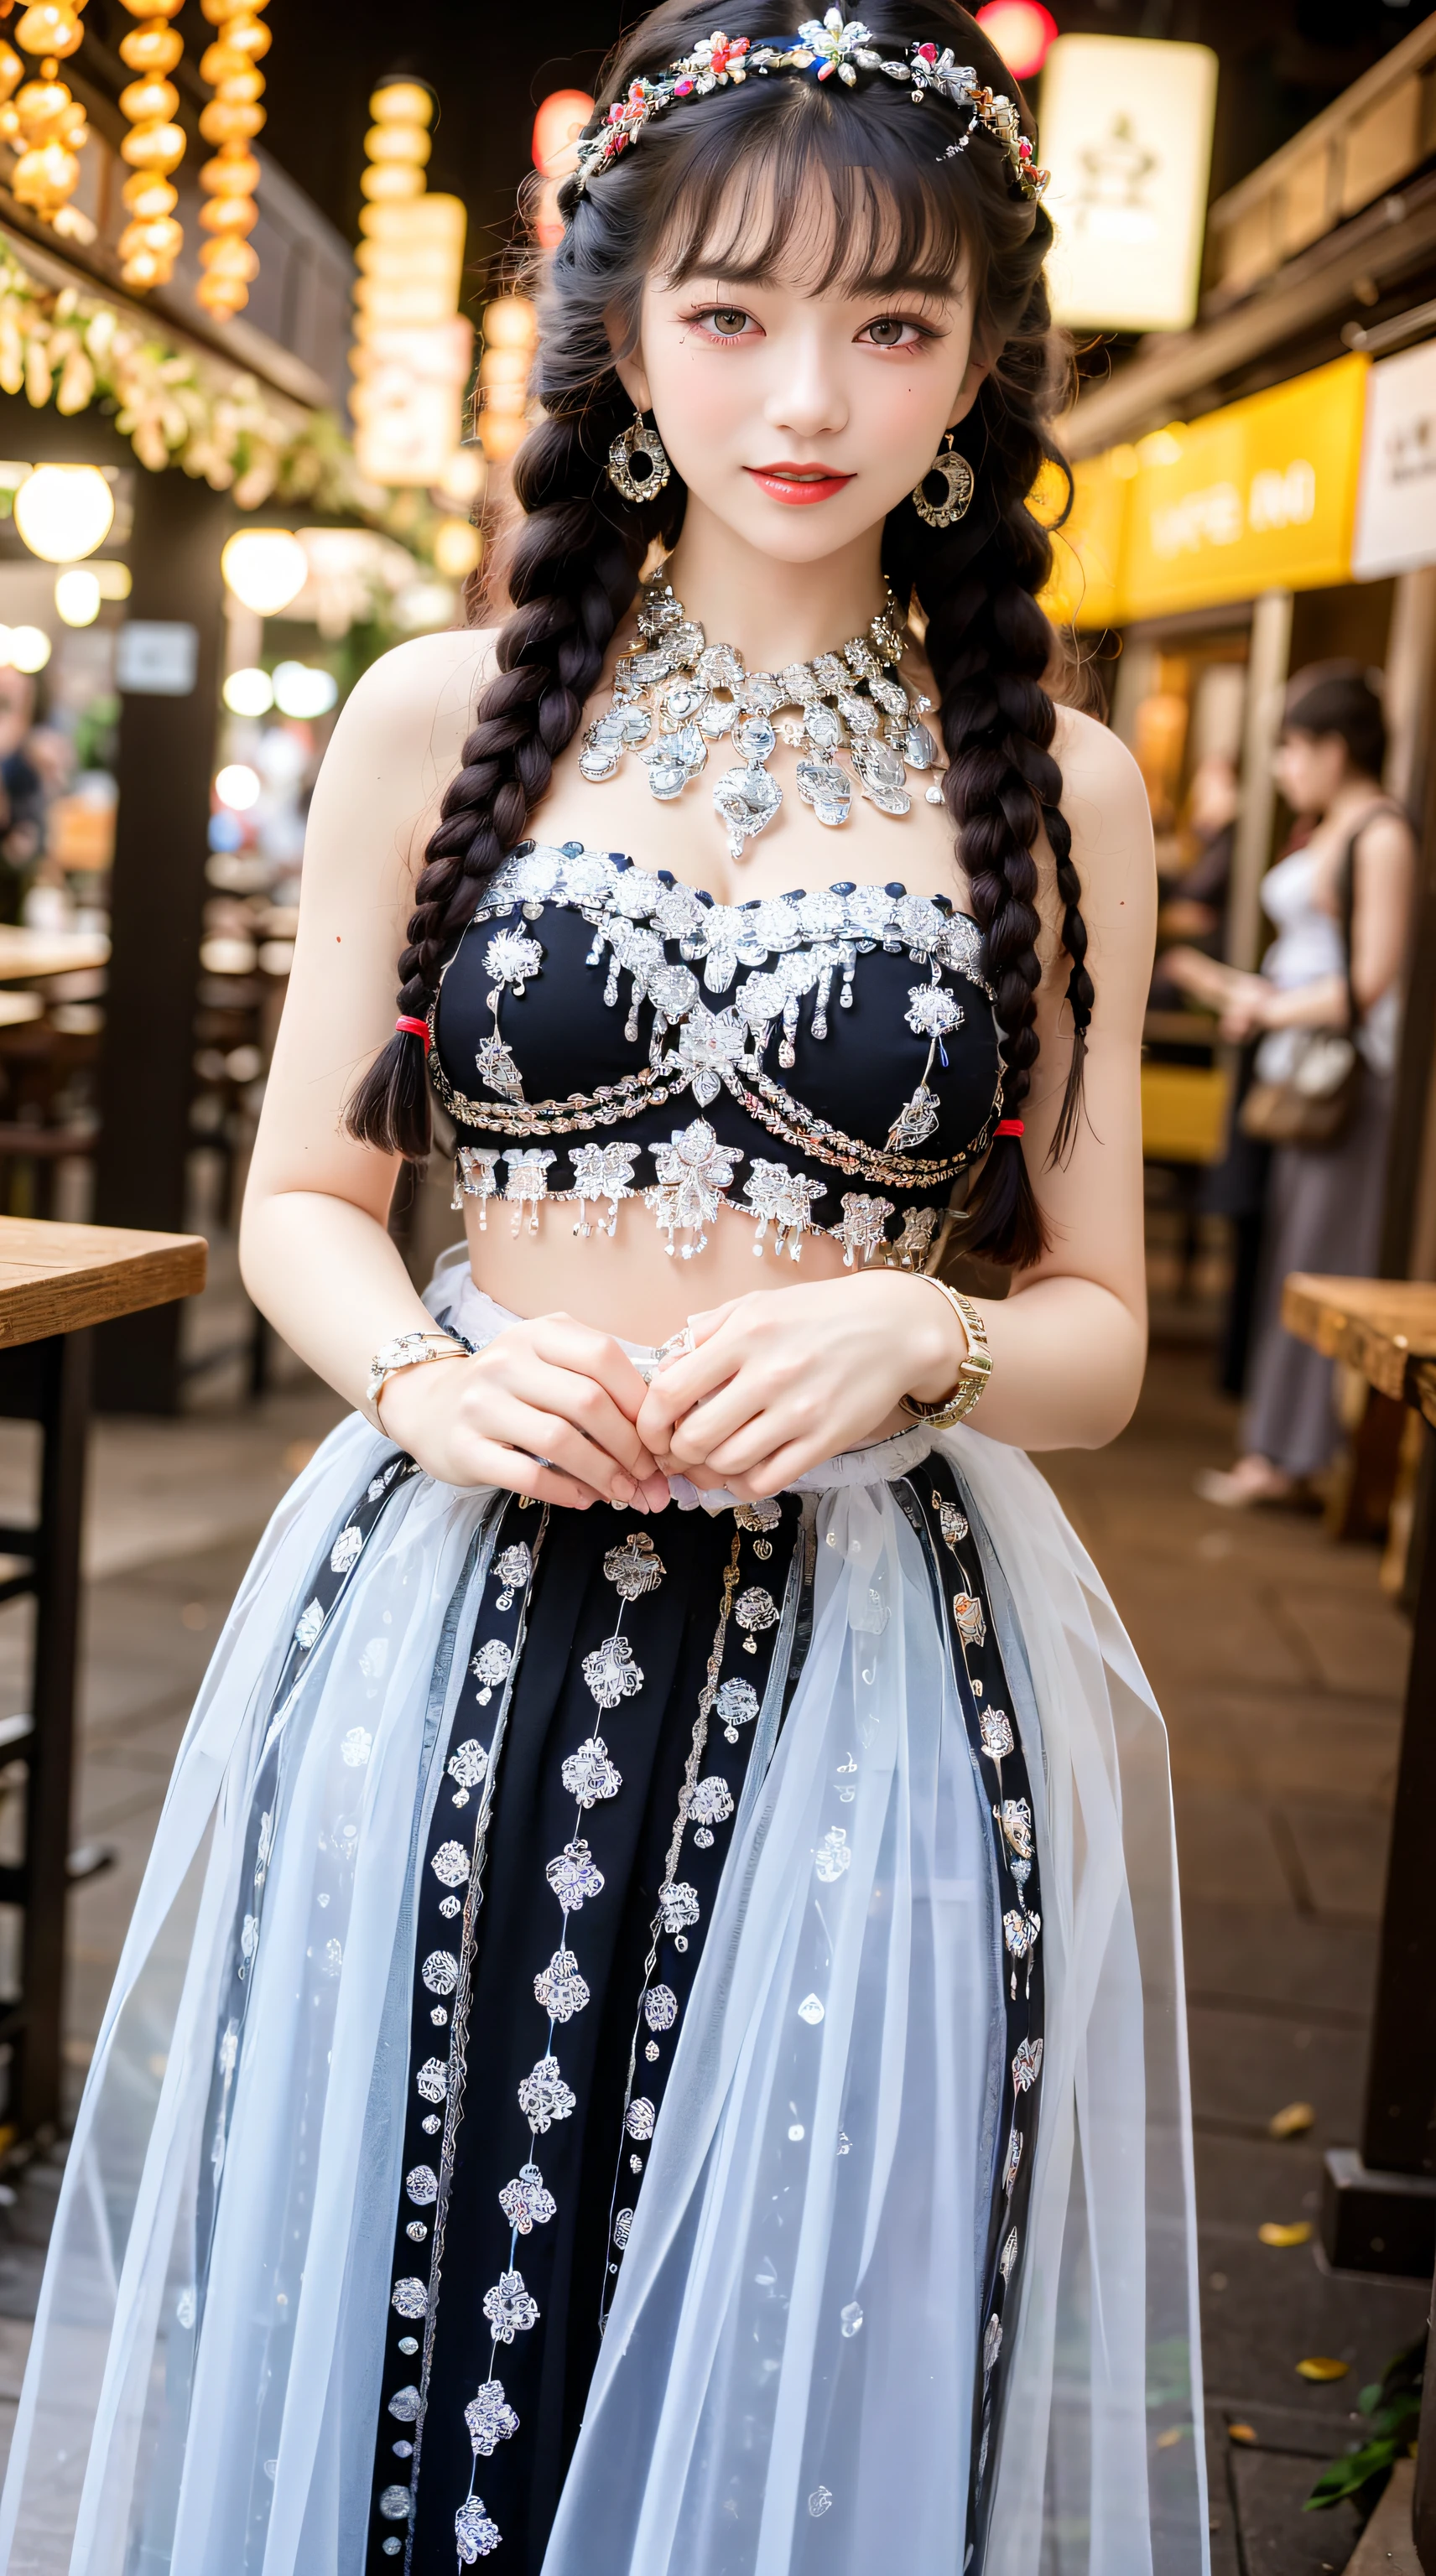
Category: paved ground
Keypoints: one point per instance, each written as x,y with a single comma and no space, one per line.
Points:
1279,1665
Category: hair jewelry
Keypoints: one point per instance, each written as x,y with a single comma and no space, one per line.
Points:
824,46
678,693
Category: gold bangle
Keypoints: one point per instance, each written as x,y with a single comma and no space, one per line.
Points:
972,1376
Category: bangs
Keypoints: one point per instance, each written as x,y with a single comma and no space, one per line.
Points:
822,193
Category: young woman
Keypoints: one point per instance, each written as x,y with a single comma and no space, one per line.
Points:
1341,907
676,2057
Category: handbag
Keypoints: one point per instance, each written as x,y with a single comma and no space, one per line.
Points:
1314,1102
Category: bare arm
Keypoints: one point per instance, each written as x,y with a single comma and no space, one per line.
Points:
783,1379
314,1248
1385,862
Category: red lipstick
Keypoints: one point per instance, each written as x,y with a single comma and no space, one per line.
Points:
798,483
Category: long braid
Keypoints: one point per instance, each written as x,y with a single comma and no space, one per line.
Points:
990,646
573,574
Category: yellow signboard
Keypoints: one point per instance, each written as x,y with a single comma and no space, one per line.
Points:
1259,496
1087,549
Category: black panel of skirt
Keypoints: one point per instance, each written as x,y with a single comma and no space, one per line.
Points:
621,1680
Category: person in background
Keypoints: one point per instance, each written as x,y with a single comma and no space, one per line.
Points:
1194,899
1324,1202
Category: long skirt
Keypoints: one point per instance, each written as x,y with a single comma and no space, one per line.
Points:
1323,1214
647,2045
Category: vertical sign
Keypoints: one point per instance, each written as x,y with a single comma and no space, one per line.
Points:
1126,132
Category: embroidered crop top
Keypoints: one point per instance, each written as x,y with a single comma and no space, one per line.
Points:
822,1062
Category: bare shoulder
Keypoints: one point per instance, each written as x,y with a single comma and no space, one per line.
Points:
422,691
1102,787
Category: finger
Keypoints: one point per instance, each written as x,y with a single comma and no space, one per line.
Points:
549,1435
582,1402
576,1346
519,1473
776,1428
684,1383
772,1474
703,1327
719,1419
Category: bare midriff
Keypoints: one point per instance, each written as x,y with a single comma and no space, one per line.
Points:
628,1284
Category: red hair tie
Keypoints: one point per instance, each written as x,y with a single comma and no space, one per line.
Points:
1004,1127
414,1029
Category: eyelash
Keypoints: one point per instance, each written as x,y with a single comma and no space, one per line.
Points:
734,339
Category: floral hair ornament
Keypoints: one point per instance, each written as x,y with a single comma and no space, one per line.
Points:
825,46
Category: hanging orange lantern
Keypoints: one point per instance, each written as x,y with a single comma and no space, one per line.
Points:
48,123
150,242
12,72
231,121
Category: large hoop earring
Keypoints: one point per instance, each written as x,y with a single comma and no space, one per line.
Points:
959,484
638,465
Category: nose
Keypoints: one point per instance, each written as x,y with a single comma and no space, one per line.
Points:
806,395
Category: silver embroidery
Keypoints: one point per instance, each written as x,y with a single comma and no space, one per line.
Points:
409,2298
954,1527
433,2079
996,1728
450,1864
474,2534
622,2228
1027,2065
394,2504
476,1177
640,2117
660,2008
694,1171
490,2419
991,2342
736,1705
509,2307
1015,1817
574,1875
346,1550
634,1568
527,1184
510,958
512,1571
833,1855
422,2185
1020,1932
466,1768
356,1747
525,2202
404,2405
602,1172
919,1225
611,1673
711,1802
588,1775
1009,2256
1012,2160
440,1972
678,1905
756,1611
862,1227
967,1611
544,2097
784,1200
559,1987
308,1625
491,1666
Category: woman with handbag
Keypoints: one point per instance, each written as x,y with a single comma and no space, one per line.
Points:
1326,1008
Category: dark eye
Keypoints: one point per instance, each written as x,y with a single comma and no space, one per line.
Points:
886,334
727,321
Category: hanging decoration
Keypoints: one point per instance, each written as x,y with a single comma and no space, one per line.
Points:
510,333
231,120
49,124
154,146
412,347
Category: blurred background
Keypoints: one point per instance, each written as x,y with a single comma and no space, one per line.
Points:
265,343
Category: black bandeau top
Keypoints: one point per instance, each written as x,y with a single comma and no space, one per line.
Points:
822,1062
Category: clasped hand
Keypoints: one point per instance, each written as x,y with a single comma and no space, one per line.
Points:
774,1383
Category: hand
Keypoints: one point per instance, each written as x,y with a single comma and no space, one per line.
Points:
547,1390
783,1379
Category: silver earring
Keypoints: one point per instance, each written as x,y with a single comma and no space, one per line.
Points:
638,465
959,483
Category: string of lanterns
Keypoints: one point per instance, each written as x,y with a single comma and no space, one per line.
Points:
412,347
231,119
154,145
44,122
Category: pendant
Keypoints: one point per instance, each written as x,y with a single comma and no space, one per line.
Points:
746,799
881,770
828,790
673,760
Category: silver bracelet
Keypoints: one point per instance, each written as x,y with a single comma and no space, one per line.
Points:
409,1350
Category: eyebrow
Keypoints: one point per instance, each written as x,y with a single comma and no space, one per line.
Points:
938,285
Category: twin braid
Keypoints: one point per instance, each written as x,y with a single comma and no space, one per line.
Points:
989,646
572,577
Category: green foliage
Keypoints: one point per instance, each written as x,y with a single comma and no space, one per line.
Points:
1392,2406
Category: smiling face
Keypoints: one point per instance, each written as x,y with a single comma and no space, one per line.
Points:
800,402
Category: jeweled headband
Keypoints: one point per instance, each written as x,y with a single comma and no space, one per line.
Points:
823,46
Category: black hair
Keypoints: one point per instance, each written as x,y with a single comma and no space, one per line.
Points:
1343,698
726,176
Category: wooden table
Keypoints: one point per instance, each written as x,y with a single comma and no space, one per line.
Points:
49,952
1379,2202
55,1282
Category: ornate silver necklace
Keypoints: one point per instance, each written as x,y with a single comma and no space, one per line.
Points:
677,693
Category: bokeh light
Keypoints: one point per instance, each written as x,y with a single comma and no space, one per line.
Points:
237,786
302,690
1022,31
